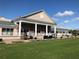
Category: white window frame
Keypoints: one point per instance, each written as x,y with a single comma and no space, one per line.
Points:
6,32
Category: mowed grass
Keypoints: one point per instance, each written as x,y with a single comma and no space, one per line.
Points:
50,49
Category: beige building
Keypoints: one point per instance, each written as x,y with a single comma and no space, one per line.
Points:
35,25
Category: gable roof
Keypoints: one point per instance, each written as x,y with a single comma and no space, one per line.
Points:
39,16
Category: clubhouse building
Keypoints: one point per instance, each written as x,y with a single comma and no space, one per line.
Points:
35,25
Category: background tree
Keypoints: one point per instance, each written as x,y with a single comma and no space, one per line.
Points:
74,32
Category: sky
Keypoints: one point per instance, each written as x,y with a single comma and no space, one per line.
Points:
64,12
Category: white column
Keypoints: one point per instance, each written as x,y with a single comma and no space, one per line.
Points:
19,28
55,30
0,31
46,29
35,29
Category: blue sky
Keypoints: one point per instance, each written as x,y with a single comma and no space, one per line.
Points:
64,12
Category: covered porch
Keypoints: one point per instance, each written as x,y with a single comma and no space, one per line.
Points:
34,29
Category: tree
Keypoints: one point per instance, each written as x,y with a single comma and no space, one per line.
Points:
74,32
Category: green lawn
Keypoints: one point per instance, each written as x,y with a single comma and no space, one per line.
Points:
51,49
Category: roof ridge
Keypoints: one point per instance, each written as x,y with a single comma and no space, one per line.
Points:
30,14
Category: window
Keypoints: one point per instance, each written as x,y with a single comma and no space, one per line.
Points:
7,31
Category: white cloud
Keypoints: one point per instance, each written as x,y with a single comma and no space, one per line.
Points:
60,26
65,13
72,20
77,18
4,19
66,21
55,19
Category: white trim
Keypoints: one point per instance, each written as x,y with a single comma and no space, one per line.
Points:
34,22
